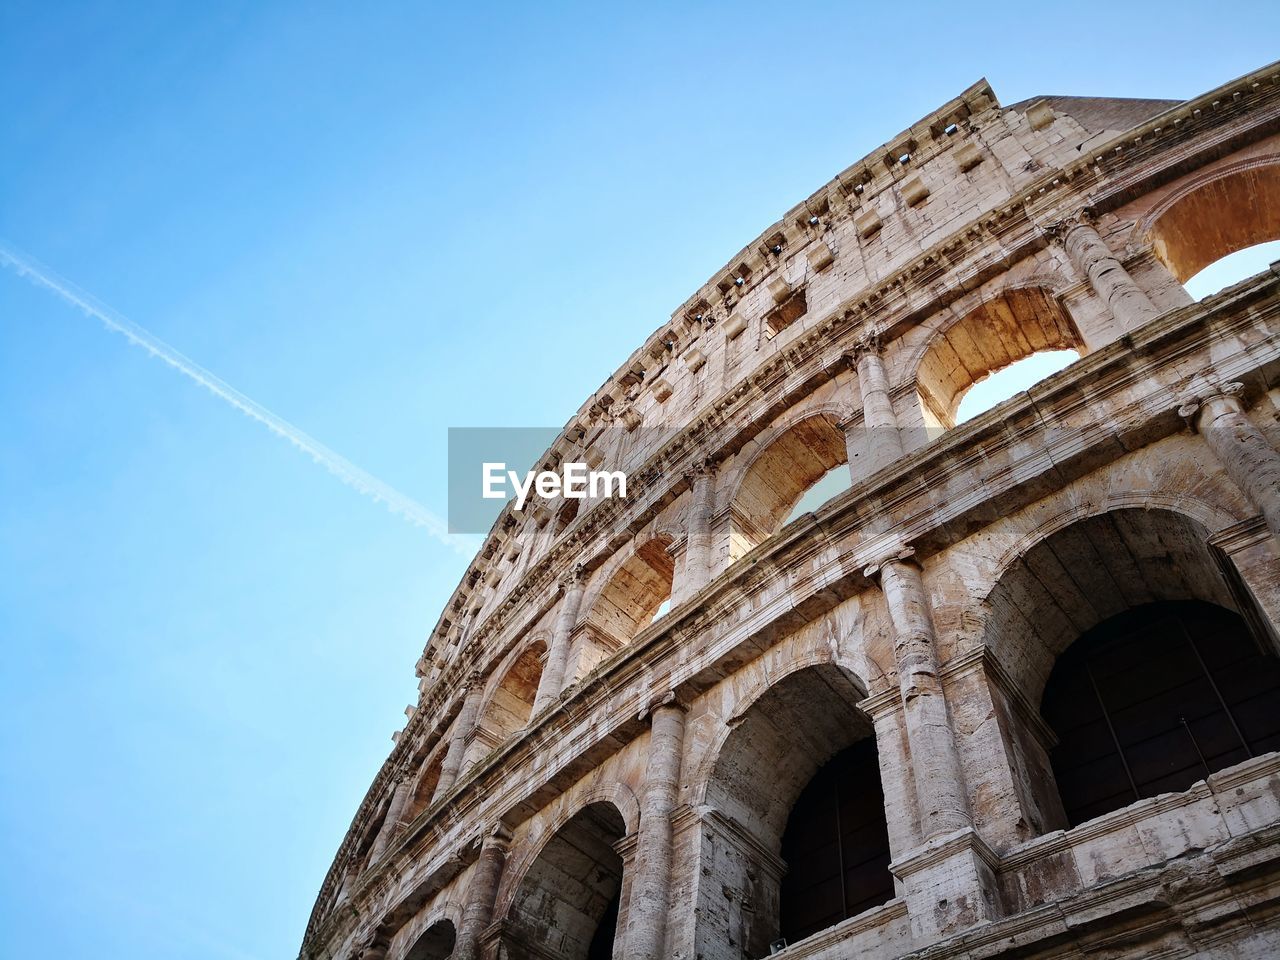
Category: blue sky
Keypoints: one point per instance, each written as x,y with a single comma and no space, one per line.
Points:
378,223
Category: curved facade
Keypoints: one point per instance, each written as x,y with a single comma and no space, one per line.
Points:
1013,693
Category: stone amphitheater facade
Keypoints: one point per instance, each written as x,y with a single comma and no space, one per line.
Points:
867,731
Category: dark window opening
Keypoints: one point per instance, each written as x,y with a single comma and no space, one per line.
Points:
786,313
1155,699
567,514
602,943
836,846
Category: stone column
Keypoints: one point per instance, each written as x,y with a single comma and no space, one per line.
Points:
462,730
1249,460
477,913
884,438
949,881
552,681
935,761
390,823
1092,257
892,745
648,905
697,551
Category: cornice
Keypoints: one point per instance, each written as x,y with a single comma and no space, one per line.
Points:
1136,161
1018,221
1109,371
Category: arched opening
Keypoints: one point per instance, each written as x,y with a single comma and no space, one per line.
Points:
1232,269
566,905
1234,213
1018,376
800,837
567,514
780,475
631,598
1085,606
434,944
362,856
425,789
1154,699
836,846
1015,326
511,703
832,483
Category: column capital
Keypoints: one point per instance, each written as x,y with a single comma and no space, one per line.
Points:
668,698
1191,407
496,837
1058,229
869,343
879,704
836,363
576,576
701,467
902,553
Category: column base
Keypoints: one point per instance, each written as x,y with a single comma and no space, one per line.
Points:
949,885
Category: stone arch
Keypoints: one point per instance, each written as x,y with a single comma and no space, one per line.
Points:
361,856
782,734
419,924
424,789
611,792
566,900
435,942
1015,323
1215,214
731,478
622,599
1211,517
817,656
1077,573
1121,553
508,702
777,467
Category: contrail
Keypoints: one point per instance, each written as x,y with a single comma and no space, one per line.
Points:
335,463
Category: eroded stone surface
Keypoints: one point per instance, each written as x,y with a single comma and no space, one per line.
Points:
568,757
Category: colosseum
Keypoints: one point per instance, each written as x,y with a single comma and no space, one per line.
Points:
1013,692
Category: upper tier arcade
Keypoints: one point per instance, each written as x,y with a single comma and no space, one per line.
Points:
842,338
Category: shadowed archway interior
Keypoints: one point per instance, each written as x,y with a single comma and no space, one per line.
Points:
1154,699
799,775
1112,607
436,943
566,905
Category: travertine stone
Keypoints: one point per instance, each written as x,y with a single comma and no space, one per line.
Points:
553,673
880,423
648,904
697,562
939,780
463,728
481,893
1127,301
1240,447
654,764
399,799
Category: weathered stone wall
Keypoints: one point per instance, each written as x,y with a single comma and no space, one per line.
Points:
566,751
